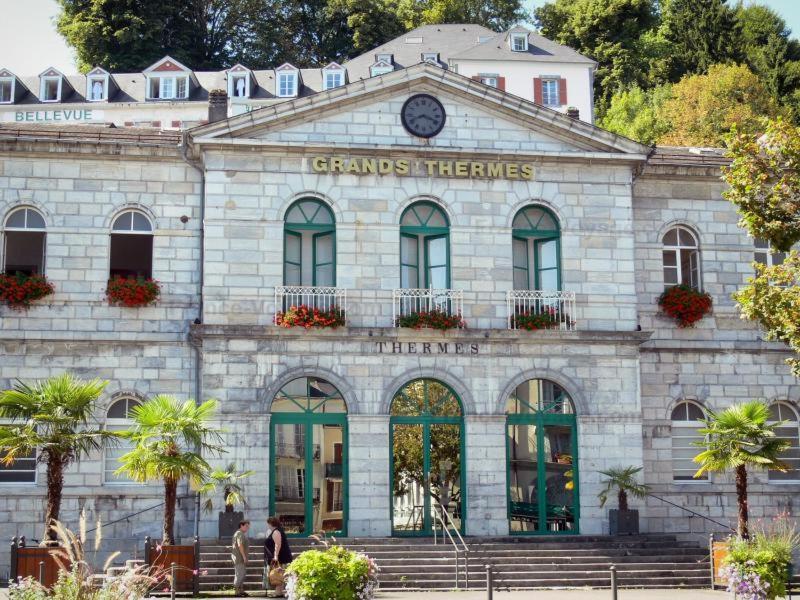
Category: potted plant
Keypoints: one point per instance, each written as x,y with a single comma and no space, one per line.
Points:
432,319
19,291
228,479
622,521
308,317
132,292
685,304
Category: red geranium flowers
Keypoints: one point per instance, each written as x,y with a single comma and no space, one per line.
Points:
132,291
308,317
18,291
433,319
685,304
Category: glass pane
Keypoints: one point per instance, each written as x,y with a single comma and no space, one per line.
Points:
291,405
520,263
295,215
423,212
778,258
679,413
694,412
140,222
686,238
323,276
437,278
118,410
35,220
436,219
670,258
16,219
437,251
290,473
410,218
407,477
25,252
410,402
328,472
409,277
441,401
409,250
523,478
671,237
548,280
445,475
123,222
761,243
791,457
324,248
558,478
670,275
293,259
686,266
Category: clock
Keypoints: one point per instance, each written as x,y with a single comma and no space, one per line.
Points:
423,115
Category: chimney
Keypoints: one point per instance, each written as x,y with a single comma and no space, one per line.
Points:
573,113
217,105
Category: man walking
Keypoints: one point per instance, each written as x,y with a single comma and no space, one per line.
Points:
239,549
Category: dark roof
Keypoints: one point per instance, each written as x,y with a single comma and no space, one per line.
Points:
681,155
100,132
540,49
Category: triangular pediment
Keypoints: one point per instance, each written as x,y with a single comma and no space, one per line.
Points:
51,72
7,73
167,64
97,71
368,113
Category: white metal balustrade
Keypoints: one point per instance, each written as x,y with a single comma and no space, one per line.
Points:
321,298
416,300
546,309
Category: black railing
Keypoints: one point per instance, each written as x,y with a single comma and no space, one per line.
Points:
692,512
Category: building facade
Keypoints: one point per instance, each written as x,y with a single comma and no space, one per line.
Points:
420,191
171,96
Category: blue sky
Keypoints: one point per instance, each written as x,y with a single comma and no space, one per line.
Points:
29,43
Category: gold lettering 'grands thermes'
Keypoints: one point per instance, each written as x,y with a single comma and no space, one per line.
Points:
422,168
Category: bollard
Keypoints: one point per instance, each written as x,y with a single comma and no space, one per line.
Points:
41,572
613,570
172,573
489,582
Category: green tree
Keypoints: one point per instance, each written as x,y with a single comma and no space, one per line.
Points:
735,439
623,480
494,14
229,479
638,114
52,418
703,109
170,439
700,33
370,22
612,32
764,184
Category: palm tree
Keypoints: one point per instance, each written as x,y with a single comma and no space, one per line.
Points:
738,437
622,479
52,417
169,440
228,479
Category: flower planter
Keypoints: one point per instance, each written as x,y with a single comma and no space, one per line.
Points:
434,319
132,292
623,522
685,304
186,559
19,291
548,318
309,317
25,562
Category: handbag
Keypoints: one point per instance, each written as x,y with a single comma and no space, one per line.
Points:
276,576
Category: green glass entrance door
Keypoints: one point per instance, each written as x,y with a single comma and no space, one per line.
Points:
426,439
542,460
308,458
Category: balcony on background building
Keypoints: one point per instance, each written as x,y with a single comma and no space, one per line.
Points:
540,309
415,301
333,470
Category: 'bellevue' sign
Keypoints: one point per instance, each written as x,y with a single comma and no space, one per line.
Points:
53,116
422,168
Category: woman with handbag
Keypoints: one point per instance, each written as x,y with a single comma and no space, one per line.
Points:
277,555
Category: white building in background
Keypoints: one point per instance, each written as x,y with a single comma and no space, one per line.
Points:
170,95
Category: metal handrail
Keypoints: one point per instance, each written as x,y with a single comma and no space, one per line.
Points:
689,510
456,549
438,512
137,513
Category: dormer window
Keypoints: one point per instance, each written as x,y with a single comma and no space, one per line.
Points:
239,82
51,88
332,76
384,57
431,57
381,68
287,84
490,80
97,85
519,42
168,80
6,90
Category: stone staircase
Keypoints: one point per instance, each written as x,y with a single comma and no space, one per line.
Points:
651,561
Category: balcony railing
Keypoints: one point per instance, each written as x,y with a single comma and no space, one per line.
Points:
417,300
540,309
321,298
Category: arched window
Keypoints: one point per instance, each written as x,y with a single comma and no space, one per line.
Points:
308,457
24,247
536,250
541,432
424,247
131,246
681,256
309,244
789,431
118,418
685,436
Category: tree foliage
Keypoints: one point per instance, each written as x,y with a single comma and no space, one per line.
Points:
638,114
624,481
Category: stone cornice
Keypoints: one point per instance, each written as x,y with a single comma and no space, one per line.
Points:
45,148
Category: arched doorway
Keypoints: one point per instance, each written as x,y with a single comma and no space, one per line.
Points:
308,458
427,471
542,449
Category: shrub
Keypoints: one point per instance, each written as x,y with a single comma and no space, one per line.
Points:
685,304
544,318
308,317
433,319
331,574
132,291
26,589
18,291
757,568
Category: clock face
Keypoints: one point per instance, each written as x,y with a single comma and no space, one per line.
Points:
423,115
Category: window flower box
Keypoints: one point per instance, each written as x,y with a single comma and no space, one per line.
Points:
20,290
132,292
546,317
685,304
432,319
310,317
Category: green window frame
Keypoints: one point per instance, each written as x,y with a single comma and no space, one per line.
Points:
424,222
309,222
536,227
540,417
306,411
446,410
